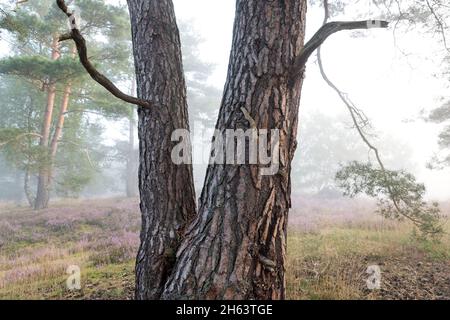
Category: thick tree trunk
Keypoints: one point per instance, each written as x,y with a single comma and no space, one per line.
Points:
42,194
236,247
166,190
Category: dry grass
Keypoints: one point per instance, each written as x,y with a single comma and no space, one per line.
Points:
329,251
331,244
101,237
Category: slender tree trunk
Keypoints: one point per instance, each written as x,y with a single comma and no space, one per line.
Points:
236,247
132,161
26,183
60,123
42,194
26,187
59,126
166,190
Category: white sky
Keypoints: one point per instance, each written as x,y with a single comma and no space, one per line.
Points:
389,86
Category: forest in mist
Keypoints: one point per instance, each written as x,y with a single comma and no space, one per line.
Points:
358,208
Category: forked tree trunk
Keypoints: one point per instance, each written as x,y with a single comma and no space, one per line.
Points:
166,190
236,248
60,124
42,193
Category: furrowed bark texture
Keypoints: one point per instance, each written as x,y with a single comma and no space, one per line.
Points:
236,247
167,190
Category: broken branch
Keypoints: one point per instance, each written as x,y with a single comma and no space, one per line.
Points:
80,43
327,30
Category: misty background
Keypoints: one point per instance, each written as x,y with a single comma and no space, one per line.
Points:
395,77
69,160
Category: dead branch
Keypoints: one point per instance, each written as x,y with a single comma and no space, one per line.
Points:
80,42
327,30
20,136
355,114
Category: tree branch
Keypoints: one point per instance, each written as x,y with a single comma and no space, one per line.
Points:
440,25
20,136
327,30
359,121
84,150
80,42
353,111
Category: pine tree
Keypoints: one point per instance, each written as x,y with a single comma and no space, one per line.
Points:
40,60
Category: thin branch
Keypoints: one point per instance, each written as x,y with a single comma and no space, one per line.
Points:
440,24
355,115
80,42
350,108
84,150
84,111
327,30
20,136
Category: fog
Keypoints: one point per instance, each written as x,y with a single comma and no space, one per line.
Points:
396,78
91,190
393,78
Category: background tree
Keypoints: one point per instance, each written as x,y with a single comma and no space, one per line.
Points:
398,193
328,141
441,115
202,98
40,60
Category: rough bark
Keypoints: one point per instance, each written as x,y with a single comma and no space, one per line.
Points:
166,190
236,247
42,193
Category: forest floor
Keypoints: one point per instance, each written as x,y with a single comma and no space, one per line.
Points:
330,247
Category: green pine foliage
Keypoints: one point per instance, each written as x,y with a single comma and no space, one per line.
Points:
27,72
398,193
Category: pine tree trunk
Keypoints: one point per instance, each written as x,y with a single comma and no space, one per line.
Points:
166,190
26,187
42,194
60,122
59,126
58,132
236,247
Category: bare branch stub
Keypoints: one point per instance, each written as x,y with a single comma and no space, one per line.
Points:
80,43
327,30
